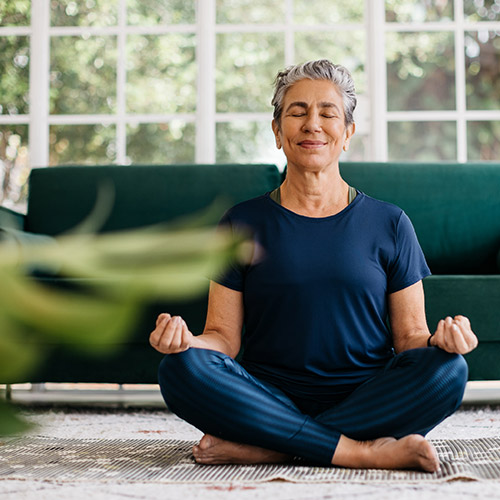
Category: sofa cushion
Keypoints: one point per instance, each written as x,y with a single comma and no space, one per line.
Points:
478,298
454,207
61,197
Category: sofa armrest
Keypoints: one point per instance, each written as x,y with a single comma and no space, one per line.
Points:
12,233
10,219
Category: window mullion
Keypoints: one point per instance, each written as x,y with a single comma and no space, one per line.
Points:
206,59
121,77
289,35
377,77
39,84
460,90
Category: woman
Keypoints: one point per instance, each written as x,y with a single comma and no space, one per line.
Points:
322,375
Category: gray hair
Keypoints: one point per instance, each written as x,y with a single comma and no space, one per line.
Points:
322,69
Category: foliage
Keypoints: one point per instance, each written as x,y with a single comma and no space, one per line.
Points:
430,141
153,12
482,10
245,70
82,144
407,11
14,75
14,166
341,47
482,53
84,12
152,143
83,75
420,71
161,75
113,276
250,11
15,12
328,12
483,140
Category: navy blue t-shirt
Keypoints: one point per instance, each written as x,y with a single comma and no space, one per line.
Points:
315,293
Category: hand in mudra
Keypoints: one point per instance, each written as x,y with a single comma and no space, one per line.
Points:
454,335
171,334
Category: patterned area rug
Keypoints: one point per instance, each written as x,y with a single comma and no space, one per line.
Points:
170,461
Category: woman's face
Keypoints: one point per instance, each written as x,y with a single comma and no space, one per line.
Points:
313,132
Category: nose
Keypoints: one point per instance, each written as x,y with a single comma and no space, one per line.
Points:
312,123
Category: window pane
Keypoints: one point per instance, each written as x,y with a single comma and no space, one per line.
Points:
14,166
418,11
246,67
328,12
14,75
482,63
161,142
154,12
422,141
420,71
242,141
483,140
161,75
83,75
83,13
16,13
482,10
250,11
82,144
346,48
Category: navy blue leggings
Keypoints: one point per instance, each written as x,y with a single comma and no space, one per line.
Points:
415,391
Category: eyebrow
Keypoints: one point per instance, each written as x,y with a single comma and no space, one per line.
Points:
304,105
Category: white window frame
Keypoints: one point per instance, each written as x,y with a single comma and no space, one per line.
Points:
372,115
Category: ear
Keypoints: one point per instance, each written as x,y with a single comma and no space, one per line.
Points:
349,132
277,134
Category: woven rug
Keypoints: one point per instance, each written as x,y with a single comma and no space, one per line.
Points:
170,461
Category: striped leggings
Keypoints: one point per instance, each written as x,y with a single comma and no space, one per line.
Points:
415,391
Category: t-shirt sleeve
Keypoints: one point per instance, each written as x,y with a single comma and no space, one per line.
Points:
408,265
232,275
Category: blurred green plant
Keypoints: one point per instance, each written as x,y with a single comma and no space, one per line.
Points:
115,274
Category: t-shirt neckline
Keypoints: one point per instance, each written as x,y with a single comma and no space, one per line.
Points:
360,195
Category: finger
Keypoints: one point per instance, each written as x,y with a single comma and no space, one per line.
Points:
186,337
437,337
161,317
448,335
168,335
463,320
157,333
176,339
461,346
469,337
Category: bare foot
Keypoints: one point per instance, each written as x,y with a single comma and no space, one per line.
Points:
409,452
213,450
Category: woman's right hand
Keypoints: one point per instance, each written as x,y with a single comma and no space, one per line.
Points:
171,335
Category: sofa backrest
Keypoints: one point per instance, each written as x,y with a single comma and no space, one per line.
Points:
61,197
455,208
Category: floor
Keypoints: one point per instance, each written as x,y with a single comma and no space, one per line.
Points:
133,416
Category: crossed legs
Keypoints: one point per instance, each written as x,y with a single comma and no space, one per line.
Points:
379,425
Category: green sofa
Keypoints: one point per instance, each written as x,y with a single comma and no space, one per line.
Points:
455,209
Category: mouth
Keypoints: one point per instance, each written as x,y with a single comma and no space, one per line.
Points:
308,144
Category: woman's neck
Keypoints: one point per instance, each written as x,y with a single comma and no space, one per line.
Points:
314,194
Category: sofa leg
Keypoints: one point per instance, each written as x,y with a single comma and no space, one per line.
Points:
38,387
8,392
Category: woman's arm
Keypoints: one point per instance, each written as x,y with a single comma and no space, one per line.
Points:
222,330
409,324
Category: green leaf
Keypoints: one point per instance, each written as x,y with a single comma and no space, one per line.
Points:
16,356
10,423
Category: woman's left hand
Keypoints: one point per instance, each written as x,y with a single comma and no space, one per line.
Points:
454,335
